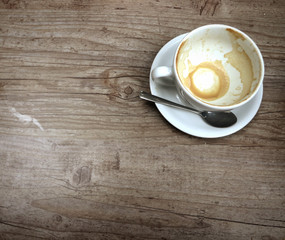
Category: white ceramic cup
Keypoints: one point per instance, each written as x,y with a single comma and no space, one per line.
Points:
215,67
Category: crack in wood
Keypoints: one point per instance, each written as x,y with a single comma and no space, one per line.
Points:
220,219
27,228
209,7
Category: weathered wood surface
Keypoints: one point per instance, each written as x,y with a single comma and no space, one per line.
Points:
81,157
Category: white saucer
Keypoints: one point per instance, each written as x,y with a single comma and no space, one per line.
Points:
188,122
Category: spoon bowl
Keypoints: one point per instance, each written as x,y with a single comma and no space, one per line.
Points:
218,119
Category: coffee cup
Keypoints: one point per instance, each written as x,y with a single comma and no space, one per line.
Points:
215,67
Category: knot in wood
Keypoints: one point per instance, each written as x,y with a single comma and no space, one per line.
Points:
128,90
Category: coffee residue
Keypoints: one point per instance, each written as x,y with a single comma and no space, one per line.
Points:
241,62
236,34
209,89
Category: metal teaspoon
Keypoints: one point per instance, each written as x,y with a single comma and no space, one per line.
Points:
214,118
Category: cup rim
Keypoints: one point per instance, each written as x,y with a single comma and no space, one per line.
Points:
212,106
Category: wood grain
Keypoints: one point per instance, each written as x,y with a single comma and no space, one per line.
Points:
83,158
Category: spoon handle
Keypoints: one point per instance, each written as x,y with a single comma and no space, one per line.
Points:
152,98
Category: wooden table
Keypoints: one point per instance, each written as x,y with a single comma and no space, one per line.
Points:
82,157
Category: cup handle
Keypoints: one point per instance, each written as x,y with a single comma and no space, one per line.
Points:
163,75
